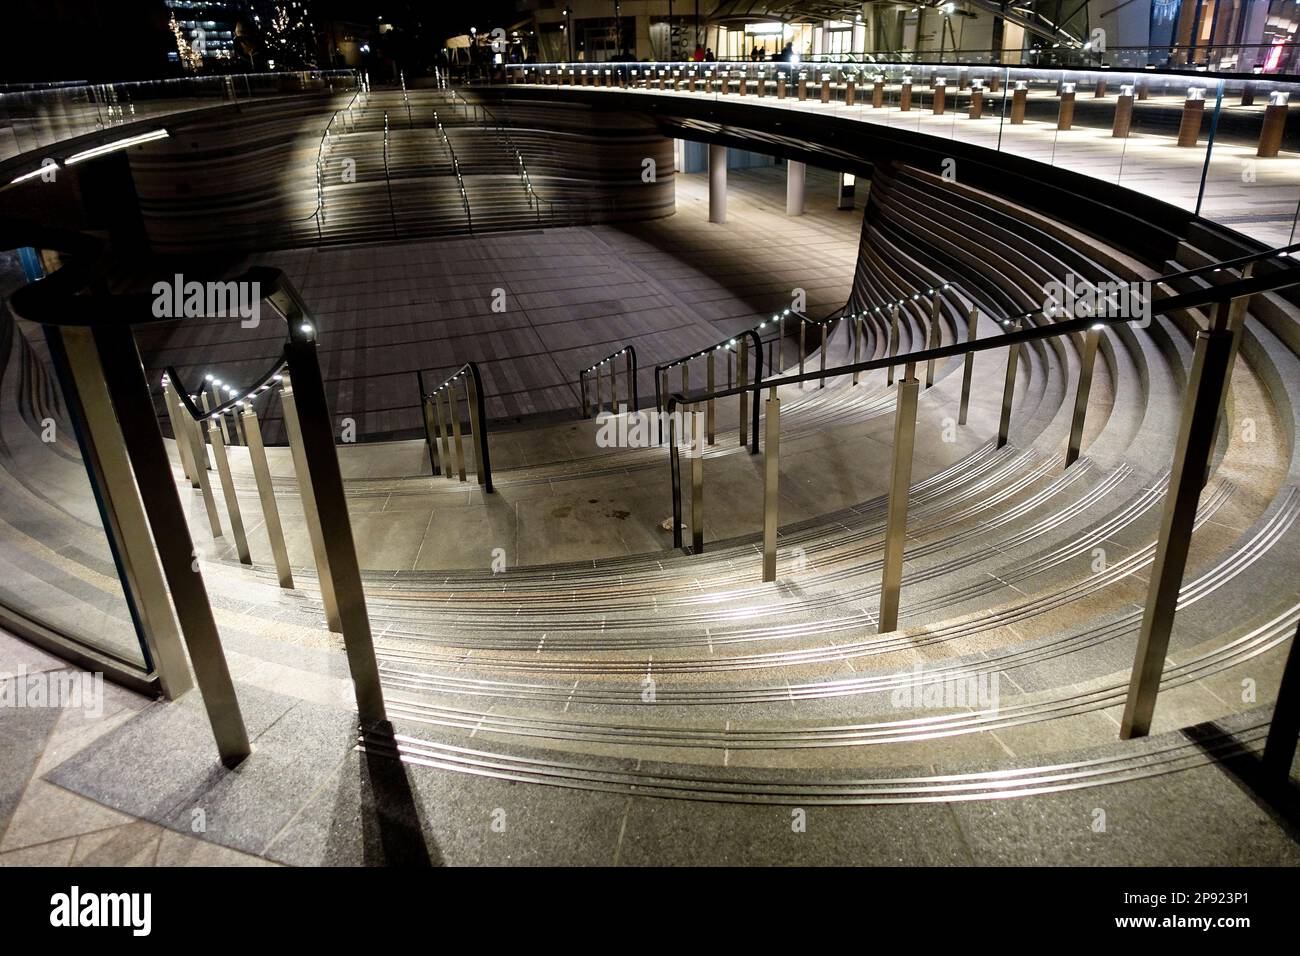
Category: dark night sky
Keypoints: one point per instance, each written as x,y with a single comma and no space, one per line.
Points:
128,39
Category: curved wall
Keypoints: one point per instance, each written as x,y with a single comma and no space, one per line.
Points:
248,181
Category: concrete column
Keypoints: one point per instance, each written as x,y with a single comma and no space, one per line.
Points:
717,183
794,179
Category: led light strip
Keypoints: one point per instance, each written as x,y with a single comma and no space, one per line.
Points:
92,153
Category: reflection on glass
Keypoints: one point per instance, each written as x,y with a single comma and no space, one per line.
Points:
56,568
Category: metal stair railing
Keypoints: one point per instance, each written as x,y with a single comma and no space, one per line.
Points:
1214,351
455,168
739,347
439,444
91,333
502,132
633,398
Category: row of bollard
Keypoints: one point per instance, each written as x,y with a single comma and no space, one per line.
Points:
722,81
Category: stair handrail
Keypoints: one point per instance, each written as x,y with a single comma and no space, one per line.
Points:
535,199
1015,336
455,168
318,213
632,369
1172,303
469,372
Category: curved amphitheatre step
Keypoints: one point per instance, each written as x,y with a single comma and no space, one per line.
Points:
476,719
792,702
268,199
1164,351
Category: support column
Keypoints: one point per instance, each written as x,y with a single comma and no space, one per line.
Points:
310,517
266,493
121,505
717,183
697,482
1086,363
123,374
228,491
968,364
1009,389
795,174
891,581
316,441
1191,458
771,479
200,446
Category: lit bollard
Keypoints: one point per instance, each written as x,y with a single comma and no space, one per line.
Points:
878,91
1123,113
1189,126
1065,116
905,94
900,483
976,101
940,95
1019,96
1270,133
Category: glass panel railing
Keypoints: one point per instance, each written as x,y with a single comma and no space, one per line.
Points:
32,119
57,569
1224,146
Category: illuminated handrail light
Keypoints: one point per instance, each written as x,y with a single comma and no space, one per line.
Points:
116,145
